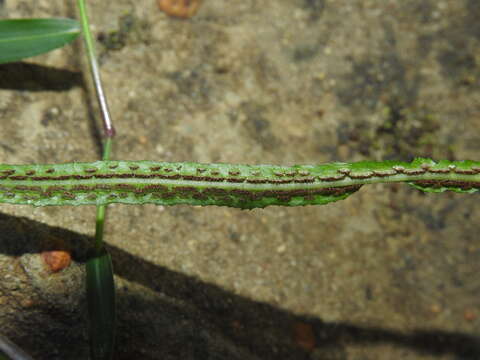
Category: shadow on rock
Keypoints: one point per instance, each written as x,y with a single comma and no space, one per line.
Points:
165,314
32,77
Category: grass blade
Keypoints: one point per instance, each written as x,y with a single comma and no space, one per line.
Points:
101,305
23,38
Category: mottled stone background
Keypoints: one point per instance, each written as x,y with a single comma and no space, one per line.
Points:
390,273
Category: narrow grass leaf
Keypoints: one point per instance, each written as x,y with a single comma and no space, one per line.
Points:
23,38
101,305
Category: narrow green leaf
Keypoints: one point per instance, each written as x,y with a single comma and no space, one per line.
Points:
23,38
101,305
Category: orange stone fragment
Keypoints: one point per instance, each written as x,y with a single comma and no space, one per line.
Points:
57,260
304,336
469,315
179,8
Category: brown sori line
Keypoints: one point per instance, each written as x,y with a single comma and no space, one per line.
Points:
465,172
68,196
281,181
82,188
304,181
194,178
439,171
257,181
333,178
30,197
384,173
47,178
235,180
27,188
414,171
178,177
111,176
185,190
56,188
166,196
151,188
215,192
222,179
103,187
275,182
125,187
465,185
360,176
160,191
257,195
18,177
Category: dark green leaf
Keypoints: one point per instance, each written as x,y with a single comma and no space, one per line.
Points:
101,305
23,38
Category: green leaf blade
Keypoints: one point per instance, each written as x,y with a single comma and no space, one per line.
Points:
101,305
234,185
23,38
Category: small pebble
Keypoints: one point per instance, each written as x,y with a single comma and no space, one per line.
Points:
470,315
27,303
435,309
179,8
142,139
304,336
56,260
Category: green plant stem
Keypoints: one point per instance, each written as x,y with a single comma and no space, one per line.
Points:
92,59
102,209
100,222
100,279
107,148
107,121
